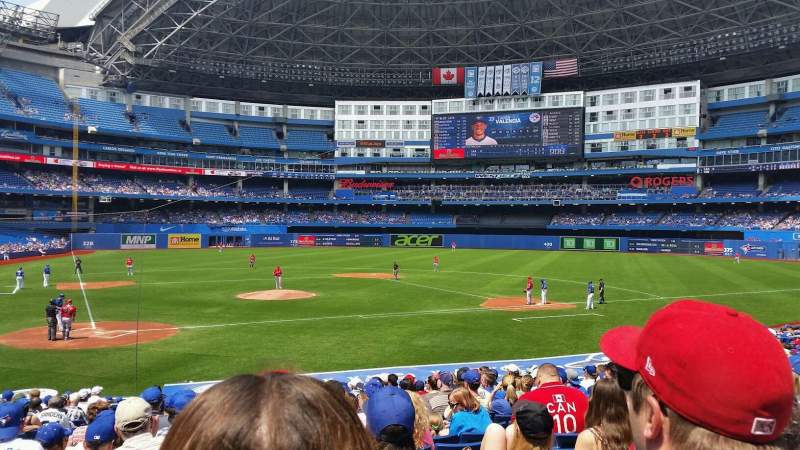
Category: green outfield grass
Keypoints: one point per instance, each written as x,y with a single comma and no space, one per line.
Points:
427,317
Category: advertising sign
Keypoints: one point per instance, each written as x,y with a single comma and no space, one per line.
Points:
192,240
417,240
137,241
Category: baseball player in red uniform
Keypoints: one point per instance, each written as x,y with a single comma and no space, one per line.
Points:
252,260
436,263
736,257
528,290
278,274
68,314
129,266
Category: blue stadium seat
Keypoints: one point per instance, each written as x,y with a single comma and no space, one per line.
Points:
501,420
30,95
258,137
297,139
740,124
162,122
565,441
213,134
446,439
471,437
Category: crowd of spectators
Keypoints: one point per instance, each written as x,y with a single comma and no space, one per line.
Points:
257,216
756,220
40,244
648,395
764,220
791,222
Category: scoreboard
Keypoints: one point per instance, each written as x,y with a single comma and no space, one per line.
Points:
530,134
684,246
337,240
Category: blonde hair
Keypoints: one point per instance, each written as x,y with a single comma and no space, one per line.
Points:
421,421
686,435
508,385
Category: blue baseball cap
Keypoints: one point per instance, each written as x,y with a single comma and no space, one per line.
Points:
446,378
11,415
389,406
51,433
61,294
8,394
372,386
46,400
562,372
180,399
152,395
591,370
102,429
471,376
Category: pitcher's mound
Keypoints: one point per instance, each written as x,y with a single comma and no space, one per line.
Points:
370,275
518,304
276,294
107,334
88,285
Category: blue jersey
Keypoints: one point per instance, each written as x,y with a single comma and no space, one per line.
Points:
544,284
21,273
590,288
47,270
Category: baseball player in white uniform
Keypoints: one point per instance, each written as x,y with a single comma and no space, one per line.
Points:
544,291
20,275
46,275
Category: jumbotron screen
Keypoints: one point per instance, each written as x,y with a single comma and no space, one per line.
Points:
530,134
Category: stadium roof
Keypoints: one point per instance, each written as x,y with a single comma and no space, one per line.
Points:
298,46
72,13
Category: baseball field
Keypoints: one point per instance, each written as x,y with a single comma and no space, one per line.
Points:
193,326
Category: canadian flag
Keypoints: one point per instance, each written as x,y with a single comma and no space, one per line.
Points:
447,75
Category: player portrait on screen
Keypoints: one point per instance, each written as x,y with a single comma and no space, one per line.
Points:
479,136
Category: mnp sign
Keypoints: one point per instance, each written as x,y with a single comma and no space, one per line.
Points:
417,240
137,241
184,240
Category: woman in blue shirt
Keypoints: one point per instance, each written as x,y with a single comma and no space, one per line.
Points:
468,416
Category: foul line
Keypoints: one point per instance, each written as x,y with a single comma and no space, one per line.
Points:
520,319
83,291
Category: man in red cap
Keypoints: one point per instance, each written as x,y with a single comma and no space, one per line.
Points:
673,371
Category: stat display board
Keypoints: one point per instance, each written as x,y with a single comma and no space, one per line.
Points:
652,245
530,134
599,244
337,240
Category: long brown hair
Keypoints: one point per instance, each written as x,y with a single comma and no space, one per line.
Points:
276,411
464,399
608,415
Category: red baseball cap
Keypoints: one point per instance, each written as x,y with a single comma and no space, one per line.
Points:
718,368
619,344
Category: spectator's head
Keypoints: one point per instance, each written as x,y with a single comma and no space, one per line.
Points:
100,434
391,417
472,379
673,405
177,402
372,386
608,413
547,373
53,436
534,424
133,417
55,402
445,380
279,411
93,410
421,419
34,393
11,420
35,404
154,396
488,378
419,385
8,394
392,378
461,399
406,384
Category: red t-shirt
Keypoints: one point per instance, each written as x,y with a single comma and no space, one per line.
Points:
529,285
567,405
252,258
277,272
69,311
129,262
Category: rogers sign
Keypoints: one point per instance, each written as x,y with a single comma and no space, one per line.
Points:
653,182
349,183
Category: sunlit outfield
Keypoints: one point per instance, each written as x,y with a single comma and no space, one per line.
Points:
426,317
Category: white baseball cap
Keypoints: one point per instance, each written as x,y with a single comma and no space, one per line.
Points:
131,412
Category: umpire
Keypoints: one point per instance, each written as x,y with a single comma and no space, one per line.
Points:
51,313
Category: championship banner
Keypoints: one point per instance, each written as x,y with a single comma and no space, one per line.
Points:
489,87
193,240
507,79
471,82
535,79
516,79
137,241
498,80
481,91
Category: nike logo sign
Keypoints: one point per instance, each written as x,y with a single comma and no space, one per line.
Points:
163,229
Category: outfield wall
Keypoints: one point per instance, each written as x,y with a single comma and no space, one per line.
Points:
780,245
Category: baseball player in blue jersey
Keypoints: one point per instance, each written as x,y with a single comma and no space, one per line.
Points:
590,296
46,275
543,285
20,275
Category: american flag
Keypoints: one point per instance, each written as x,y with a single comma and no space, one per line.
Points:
560,68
